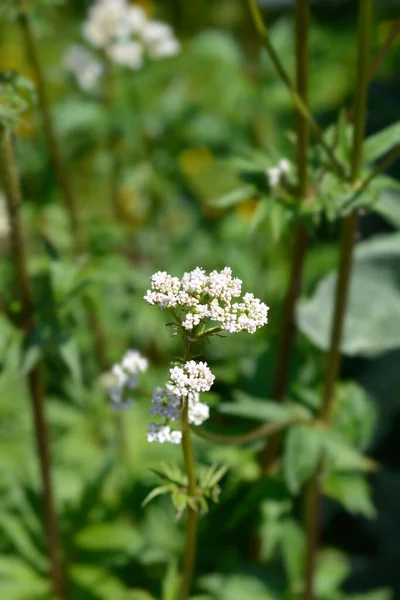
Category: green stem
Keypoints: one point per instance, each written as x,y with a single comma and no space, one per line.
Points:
391,38
256,434
287,332
348,236
34,377
61,174
49,130
301,106
191,519
112,141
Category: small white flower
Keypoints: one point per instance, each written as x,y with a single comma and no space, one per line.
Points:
155,32
106,22
198,411
164,48
125,376
133,362
84,66
137,18
276,173
284,166
274,176
192,377
127,53
162,434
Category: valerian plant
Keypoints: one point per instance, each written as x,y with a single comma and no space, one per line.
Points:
202,306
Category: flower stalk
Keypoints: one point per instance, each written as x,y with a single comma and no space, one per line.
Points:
348,237
191,518
301,106
300,239
35,376
61,174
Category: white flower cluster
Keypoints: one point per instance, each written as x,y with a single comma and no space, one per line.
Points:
276,173
192,377
126,377
184,386
201,297
84,66
126,34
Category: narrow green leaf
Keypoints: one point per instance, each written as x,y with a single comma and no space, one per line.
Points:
380,143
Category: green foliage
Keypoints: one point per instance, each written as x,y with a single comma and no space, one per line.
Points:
370,326
191,139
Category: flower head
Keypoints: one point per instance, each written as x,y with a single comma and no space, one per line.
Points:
126,35
201,298
125,376
192,377
86,69
162,434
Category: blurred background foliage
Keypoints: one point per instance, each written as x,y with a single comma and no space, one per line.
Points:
177,130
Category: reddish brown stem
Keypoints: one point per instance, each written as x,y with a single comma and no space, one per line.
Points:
34,377
300,238
61,174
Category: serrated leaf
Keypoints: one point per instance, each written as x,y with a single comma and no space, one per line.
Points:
158,491
352,491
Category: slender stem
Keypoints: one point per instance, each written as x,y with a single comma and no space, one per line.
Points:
34,377
61,173
109,89
364,41
287,333
348,235
256,434
191,519
48,126
391,38
301,106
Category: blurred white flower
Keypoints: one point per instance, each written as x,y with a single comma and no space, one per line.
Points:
126,34
275,174
84,66
106,22
128,54
162,434
136,18
125,376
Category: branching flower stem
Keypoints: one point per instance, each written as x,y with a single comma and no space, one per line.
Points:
34,377
348,236
191,518
61,174
287,332
256,434
301,106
